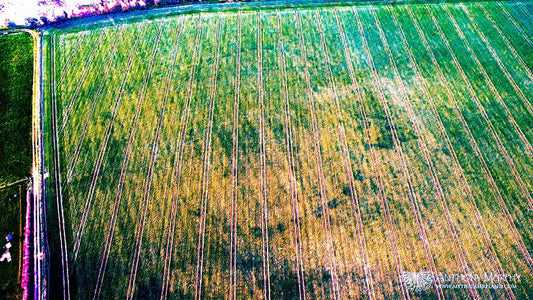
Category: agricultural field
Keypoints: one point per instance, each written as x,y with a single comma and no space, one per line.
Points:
16,78
16,69
302,152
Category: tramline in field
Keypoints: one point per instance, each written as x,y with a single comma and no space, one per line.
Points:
457,167
299,152
479,155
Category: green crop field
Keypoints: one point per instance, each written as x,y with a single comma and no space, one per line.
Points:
16,70
16,67
302,152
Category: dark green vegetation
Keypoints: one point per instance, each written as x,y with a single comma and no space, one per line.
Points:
315,151
16,79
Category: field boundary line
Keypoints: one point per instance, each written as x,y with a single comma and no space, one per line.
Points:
103,20
178,164
264,195
492,130
474,145
375,163
65,276
206,166
457,166
40,243
102,150
5,186
399,151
